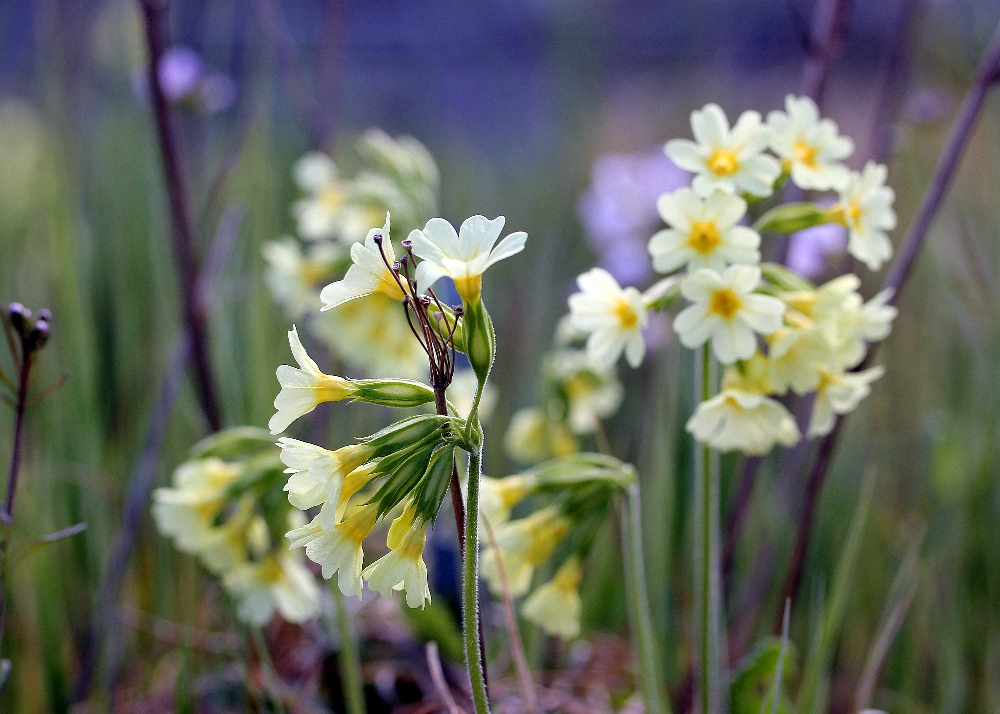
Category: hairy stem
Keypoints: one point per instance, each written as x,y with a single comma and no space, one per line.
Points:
154,12
350,661
470,590
642,625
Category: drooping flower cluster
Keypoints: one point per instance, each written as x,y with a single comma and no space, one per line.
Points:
569,499
333,218
221,508
773,330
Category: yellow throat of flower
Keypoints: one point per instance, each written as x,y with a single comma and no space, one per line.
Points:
724,303
359,524
626,314
704,237
469,288
723,162
333,389
804,153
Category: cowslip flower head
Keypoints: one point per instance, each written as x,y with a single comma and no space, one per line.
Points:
368,273
339,550
462,256
810,147
556,606
403,566
305,387
614,317
523,545
497,496
277,583
187,511
703,232
591,389
726,311
533,435
865,207
794,357
839,392
729,160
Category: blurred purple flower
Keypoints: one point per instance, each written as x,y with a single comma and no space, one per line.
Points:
619,213
809,250
187,82
180,72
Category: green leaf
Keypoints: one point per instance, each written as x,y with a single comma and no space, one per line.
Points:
751,690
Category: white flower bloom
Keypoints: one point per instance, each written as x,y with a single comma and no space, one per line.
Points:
839,392
497,496
187,511
403,567
523,545
727,312
809,145
281,584
225,546
743,420
592,389
703,232
462,256
860,323
795,356
339,549
866,209
613,317
294,276
728,160
368,274
303,388
317,474
556,606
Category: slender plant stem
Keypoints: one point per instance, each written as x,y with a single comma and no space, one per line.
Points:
709,605
898,276
642,625
7,514
154,12
350,661
470,589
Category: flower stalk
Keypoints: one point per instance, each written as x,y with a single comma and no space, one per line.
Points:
470,589
350,662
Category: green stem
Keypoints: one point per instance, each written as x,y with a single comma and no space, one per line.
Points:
642,626
709,602
272,689
350,662
470,589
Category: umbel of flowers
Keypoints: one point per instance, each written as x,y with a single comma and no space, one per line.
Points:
773,331
569,499
332,218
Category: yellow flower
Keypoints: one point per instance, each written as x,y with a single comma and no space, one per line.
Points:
276,583
523,545
555,606
403,566
368,274
305,387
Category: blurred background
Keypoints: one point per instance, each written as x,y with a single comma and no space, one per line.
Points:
552,113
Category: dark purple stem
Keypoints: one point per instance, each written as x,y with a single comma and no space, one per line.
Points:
15,457
986,75
154,12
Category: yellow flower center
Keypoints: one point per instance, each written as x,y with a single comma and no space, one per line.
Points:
333,389
544,540
725,303
270,570
331,198
704,237
826,378
854,213
804,153
723,162
626,314
803,301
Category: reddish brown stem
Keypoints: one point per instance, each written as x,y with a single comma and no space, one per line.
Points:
154,12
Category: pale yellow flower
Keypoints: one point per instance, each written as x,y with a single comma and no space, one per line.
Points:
556,605
810,146
613,317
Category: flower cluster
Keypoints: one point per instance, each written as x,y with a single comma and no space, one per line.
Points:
222,508
774,331
333,219
569,499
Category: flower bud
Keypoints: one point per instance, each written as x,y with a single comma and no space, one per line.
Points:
480,339
792,217
404,433
400,393
19,316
